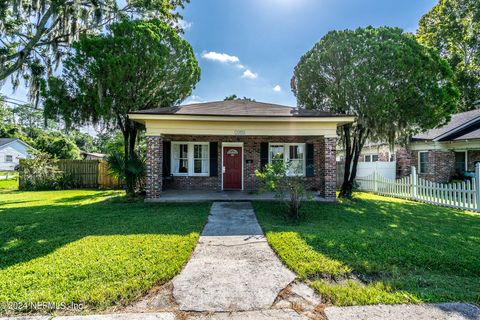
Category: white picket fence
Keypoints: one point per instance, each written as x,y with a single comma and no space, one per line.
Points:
461,195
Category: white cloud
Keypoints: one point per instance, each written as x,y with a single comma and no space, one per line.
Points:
220,57
226,58
194,99
184,24
277,88
249,74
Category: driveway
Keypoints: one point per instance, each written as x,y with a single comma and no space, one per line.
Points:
232,268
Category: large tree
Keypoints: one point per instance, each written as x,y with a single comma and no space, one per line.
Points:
35,34
383,77
453,27
136,65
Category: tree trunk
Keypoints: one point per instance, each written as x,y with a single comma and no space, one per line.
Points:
129,139
352,154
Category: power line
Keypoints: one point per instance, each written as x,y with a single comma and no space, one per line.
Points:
14,99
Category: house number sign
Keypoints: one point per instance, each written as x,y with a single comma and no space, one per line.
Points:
239,132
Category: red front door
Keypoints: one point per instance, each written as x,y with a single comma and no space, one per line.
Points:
232,168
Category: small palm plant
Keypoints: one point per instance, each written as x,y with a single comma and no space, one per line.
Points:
135,166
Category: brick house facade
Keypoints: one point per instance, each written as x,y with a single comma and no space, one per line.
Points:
448,152
442,166
188,146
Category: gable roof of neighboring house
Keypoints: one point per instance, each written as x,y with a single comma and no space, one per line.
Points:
462,126
236,108
93,154
6,141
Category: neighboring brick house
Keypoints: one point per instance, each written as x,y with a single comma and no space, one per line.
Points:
219,145
441,154
450,151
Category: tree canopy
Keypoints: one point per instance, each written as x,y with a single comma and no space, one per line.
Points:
382,76
453,27
36,34
235,97
137,65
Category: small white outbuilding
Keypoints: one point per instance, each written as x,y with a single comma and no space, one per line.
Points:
11,151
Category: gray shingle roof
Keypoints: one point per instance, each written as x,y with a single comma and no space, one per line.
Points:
243,108
457,121
474,134
6,140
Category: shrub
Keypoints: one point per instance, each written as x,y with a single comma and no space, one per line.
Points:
41,173
283,178
135,166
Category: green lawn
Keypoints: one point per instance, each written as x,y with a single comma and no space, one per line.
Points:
8,184
379,250
82,246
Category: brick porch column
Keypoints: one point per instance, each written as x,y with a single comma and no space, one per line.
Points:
154,167
328,168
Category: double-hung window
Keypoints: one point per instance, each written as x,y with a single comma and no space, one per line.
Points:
423,161
460,162
8,158
371,158
291,153
190,159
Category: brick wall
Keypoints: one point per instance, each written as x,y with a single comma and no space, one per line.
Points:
327,168
473,156
440,165
404,162
154,167
324,179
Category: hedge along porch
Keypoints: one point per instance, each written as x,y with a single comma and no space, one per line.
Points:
219,145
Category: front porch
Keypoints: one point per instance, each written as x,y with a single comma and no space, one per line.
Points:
171,195
219,146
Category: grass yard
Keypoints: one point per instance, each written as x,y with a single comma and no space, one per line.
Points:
375,249
8,184
80,246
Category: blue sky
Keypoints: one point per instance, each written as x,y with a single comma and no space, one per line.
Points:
269,36
250,47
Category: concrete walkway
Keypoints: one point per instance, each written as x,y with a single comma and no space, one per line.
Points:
443,311
232,268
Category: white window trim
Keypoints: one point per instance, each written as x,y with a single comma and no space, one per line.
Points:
286,152
190,158
6,158
419,159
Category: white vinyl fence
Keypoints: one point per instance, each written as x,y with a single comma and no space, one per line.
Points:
8,175
462,195
387,169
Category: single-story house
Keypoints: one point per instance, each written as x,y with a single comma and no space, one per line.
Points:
92,155
11,151
220,145
439,155
449,151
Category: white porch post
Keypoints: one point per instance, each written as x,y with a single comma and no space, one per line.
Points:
414,182
477,185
